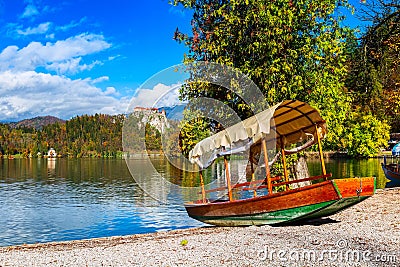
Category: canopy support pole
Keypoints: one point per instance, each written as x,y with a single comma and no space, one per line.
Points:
285,172
253,177
228,179
203,191
321,155
267,170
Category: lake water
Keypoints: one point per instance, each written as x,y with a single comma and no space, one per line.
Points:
46,200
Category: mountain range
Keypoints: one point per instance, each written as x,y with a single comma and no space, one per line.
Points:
37,122
174,113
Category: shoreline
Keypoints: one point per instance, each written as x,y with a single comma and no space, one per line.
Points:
154,154
371,227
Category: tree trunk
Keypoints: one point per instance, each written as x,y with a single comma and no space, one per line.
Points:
301,172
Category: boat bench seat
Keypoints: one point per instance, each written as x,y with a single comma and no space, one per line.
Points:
261,184
328,175
239,185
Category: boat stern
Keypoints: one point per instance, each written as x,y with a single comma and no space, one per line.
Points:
355,187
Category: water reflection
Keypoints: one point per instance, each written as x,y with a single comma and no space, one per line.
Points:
169,184
69,199
347,168
66,199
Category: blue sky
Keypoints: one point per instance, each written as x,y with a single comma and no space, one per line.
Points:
66,58
73,57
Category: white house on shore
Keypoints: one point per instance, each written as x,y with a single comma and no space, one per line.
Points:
51,153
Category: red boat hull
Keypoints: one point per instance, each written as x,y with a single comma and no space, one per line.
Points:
321,199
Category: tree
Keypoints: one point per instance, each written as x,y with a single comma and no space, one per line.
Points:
365,135
152,138
375,62
290,49
194,128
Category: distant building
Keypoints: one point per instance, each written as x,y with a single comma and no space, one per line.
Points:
145,109
153,116
51,153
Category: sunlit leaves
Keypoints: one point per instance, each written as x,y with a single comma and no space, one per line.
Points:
194,128
290,49
365,135
375,63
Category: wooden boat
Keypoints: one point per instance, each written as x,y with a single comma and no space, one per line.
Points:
392,170
274,129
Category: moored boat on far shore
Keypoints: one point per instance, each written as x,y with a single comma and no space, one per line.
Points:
392,170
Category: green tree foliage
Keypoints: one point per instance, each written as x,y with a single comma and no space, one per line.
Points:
290,49
375,63
365,135
133,139
193,129
96,135
171,139
17,141
142,131
152,138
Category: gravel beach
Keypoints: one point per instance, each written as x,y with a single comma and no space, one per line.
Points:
368,234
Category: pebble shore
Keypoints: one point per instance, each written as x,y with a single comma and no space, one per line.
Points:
367,234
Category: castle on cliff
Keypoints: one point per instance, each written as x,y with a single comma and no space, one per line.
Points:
153,116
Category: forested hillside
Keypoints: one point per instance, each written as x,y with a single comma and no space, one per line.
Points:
96,135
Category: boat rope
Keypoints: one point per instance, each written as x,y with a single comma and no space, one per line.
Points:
359,191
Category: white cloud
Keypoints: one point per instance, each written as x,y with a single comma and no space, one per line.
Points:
27,94
71,25
40,29
100,79
160,96
48,9
71,66
110,58
34,8
15,30
110,91
30,10
63,55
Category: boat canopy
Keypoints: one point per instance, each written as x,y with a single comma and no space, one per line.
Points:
286,123
396,150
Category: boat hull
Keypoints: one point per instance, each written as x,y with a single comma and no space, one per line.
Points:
393,176
313,201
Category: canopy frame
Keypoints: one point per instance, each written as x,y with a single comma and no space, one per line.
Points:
286,123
